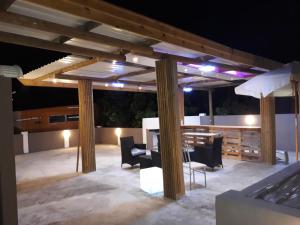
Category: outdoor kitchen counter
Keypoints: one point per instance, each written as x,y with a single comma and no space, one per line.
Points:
239,142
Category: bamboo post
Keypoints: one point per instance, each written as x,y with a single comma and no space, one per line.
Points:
78,151
268,135
211,111
296,93
87,125
170,136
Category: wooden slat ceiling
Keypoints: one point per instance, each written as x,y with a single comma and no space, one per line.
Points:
123,49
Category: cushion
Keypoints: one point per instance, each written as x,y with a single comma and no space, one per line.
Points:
137,152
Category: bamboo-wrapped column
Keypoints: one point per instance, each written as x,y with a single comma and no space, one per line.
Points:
170,136
86,125
181,105
210,104
8,199
268,135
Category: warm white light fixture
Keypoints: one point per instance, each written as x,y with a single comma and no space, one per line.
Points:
54,80
106,85
140,88
250,120
114,62
135,59
66,135
118,133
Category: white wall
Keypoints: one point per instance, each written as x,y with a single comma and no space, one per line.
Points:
153,123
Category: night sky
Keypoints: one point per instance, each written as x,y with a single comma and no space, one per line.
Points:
269,29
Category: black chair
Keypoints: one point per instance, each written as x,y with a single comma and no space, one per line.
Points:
153,160
130,151
209,154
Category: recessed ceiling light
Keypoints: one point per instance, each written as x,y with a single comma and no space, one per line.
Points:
118,84
106,85
207,68
114,62
140,88
54,80
187,89
185,70
231,72
135,59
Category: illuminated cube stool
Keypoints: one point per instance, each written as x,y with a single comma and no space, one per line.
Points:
151,180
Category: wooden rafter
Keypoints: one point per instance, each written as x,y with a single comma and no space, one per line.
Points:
33,83
68,68
38,43
82,33
69,32
88,26
199,82
5,4
104,80
132,74
104,12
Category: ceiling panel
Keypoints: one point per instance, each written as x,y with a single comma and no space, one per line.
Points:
36,11
91,45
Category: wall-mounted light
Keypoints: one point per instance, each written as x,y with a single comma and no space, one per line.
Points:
135,59
66,135
250,120
118,133
187,89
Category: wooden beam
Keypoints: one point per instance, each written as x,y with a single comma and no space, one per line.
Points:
103,80
68,68
268,136
27,82
103,12
5,4
170,136
81,32
132,74
87,26
87,125
69,32
38,43
199,82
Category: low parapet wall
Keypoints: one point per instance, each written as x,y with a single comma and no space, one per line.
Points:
43,141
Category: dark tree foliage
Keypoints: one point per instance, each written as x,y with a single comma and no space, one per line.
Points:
124,109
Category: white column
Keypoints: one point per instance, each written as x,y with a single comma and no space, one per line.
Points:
25,142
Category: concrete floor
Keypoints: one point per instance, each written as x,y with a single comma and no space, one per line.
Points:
51,193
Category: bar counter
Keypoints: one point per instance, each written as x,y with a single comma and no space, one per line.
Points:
239,142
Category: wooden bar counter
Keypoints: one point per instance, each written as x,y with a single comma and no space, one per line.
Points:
239,142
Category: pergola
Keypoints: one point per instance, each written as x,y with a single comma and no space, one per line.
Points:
111,48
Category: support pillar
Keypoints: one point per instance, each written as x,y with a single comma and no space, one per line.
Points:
181,105
8,193
268,135
210,103
170,136
87,125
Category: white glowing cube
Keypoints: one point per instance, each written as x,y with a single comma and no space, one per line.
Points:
151,180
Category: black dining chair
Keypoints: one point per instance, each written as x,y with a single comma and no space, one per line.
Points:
209,154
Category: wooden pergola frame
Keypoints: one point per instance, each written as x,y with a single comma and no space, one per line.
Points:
99,12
